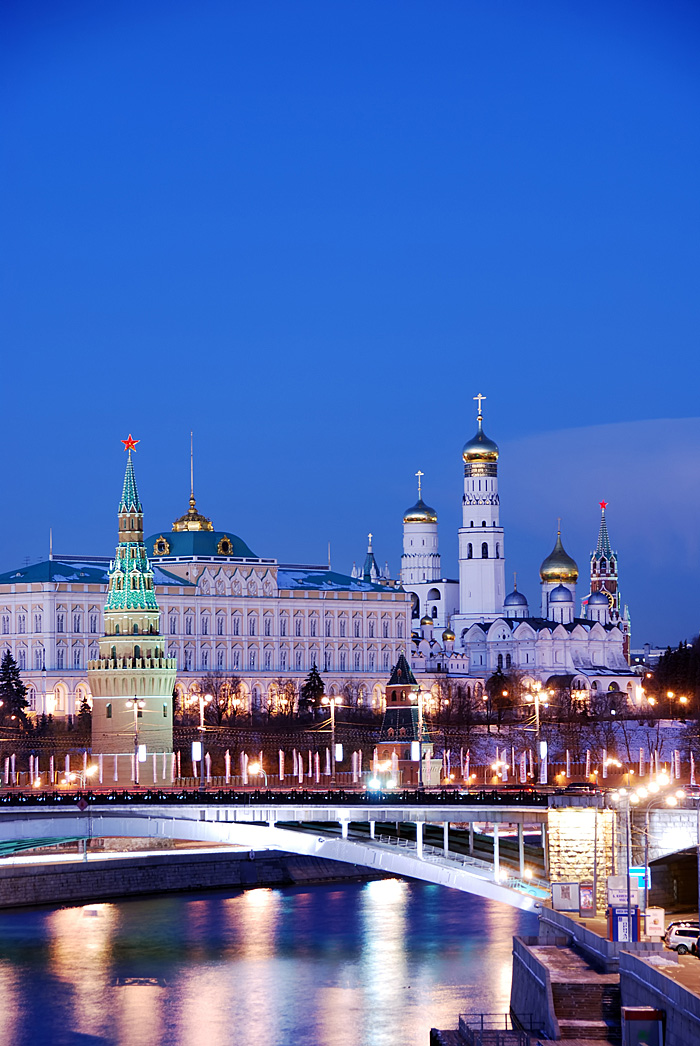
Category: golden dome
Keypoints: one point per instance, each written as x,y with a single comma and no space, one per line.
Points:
480,447
192,520
420,513
559,566
426,620
448,635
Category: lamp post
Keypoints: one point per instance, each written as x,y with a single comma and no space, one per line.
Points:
256,770
204,699
332,702
633,798
137,704
419,698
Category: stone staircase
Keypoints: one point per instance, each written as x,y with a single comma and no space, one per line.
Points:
588,1011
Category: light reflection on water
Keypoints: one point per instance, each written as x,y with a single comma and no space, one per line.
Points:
370,964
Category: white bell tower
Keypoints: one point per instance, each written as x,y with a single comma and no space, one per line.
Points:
481,552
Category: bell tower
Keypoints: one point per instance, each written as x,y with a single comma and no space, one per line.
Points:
481,551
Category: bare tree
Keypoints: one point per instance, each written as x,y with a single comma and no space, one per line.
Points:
223,690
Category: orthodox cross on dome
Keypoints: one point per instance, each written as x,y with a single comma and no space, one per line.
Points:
479,399
130,443
419,474
558,524
370,543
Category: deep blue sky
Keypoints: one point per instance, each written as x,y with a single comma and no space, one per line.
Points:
313,232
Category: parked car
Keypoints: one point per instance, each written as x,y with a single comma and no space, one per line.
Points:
681,936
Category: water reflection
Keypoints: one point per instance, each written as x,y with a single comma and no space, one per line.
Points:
346,965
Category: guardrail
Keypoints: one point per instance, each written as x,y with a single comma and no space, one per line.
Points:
275,797
495,1029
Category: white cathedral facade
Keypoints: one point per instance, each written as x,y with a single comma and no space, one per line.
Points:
472,627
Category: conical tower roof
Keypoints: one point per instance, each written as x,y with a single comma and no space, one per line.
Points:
402,674
130,501
603,548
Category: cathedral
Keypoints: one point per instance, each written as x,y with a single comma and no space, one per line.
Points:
472,627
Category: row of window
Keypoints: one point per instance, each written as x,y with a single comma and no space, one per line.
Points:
286,663
93,623
237,624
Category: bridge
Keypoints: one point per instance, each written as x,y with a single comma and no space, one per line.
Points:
357,828
420,834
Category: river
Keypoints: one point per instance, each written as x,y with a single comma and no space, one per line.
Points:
360,964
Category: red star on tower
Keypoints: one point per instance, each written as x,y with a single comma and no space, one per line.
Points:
603,504
130,443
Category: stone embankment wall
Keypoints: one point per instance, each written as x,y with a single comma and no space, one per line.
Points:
78,882
644,984
531,988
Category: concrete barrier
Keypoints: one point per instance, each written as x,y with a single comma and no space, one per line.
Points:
557,928
642,983
531,988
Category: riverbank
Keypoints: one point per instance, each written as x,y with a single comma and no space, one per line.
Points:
105,877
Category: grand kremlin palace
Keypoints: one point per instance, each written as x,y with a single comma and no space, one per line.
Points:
222,610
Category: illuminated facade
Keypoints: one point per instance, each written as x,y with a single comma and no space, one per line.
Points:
223,609
489,630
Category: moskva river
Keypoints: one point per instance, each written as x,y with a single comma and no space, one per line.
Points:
366,964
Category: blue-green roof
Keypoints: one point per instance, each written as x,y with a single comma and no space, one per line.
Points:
325,580
198,543
78,572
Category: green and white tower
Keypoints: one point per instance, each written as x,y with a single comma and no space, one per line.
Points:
132,680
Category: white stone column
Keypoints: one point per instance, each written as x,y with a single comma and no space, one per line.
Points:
471,838
344,829
446,837
496,853
371,829
521,850
419,839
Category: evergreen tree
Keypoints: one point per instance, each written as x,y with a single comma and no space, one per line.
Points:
85,717
13,693
312,690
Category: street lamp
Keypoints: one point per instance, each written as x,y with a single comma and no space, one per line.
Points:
73,775
204,699
632,798
256,770
419,698
137,704
332,702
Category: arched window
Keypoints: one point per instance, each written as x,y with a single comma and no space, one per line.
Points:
509,661
484,550
498,551
109,710
500,661
470,551
483,522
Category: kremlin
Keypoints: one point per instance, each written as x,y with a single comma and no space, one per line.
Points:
190,601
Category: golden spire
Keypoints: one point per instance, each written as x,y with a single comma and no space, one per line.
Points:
192,520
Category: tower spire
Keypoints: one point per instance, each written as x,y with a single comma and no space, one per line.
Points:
420,475
191,468
603,548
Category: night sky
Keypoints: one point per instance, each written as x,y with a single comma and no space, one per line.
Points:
312,232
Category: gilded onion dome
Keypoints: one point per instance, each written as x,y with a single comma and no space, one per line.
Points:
480,447
427,620
420,513
559,566
448,635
